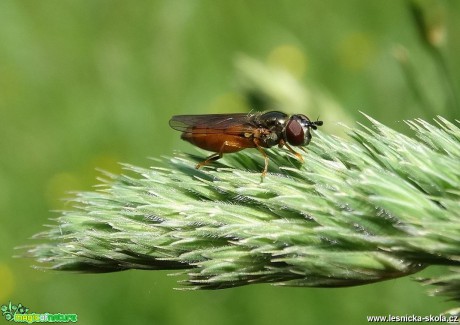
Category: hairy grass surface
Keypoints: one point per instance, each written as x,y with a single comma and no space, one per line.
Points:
379,206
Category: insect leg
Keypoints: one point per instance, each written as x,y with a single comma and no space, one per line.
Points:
298,155
214,156
256,142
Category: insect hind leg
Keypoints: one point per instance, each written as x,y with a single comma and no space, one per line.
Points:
217,155
211,158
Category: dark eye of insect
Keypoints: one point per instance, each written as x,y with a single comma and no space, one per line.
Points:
294,133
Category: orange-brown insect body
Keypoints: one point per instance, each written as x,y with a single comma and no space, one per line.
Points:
226,133
215,142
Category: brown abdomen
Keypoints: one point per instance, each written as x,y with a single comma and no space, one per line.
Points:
218,142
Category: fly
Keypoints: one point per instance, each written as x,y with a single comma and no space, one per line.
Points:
227,133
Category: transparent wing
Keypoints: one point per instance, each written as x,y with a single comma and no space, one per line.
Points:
236,123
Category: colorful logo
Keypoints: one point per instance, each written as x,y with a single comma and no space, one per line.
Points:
20,314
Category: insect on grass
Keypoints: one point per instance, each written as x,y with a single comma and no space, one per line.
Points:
227,133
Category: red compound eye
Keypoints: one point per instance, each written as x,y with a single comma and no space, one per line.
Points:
294,133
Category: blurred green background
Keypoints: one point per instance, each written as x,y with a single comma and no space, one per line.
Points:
88,84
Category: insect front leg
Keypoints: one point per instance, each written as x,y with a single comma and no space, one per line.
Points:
298,155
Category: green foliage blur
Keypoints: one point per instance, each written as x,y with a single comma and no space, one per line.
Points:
87,84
